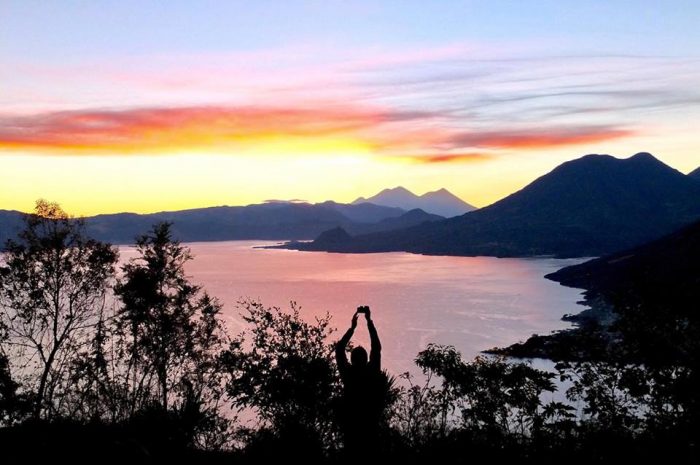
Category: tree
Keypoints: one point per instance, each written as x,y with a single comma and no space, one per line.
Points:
282,368
491,395
53,286
10,403
168,336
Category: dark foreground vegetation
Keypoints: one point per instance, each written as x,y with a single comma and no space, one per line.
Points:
100,362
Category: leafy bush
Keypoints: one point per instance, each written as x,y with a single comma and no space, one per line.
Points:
281,368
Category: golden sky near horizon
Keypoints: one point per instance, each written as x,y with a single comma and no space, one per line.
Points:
136,108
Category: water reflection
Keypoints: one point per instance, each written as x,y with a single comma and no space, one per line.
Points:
473,303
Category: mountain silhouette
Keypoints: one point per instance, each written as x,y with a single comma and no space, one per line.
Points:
643,306
270,221
695,174
440,202
590,206
10,224
663,271
364,212
333,236
267,221
408,219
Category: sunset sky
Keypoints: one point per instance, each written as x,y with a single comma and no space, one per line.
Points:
109,106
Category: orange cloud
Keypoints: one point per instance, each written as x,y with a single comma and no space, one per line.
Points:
449,157
167,129
322,128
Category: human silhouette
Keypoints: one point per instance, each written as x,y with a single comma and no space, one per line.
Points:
363,399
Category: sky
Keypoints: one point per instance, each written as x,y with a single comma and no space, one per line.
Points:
137,105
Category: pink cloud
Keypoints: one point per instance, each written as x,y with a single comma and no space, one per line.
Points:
389,133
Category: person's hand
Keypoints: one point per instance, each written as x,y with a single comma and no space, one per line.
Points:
364,309
354,321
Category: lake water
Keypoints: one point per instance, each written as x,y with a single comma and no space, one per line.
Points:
473,303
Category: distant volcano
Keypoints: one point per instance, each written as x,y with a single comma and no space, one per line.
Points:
440,202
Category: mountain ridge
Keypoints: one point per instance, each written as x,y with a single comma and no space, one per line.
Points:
440,202
589,206
634,273
642,305
266,221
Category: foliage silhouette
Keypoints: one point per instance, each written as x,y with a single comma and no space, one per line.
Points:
168,338
11,404
489,399
281,368
53,286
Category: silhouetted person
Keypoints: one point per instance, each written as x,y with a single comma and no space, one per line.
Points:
363,400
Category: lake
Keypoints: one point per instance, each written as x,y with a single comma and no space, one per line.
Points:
473,303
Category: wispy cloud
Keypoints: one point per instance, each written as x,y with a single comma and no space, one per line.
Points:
481,146
460,103
541,138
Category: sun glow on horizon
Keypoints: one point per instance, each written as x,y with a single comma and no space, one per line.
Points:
246,103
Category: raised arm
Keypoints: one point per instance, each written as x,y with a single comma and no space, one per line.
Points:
375,355
341,358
